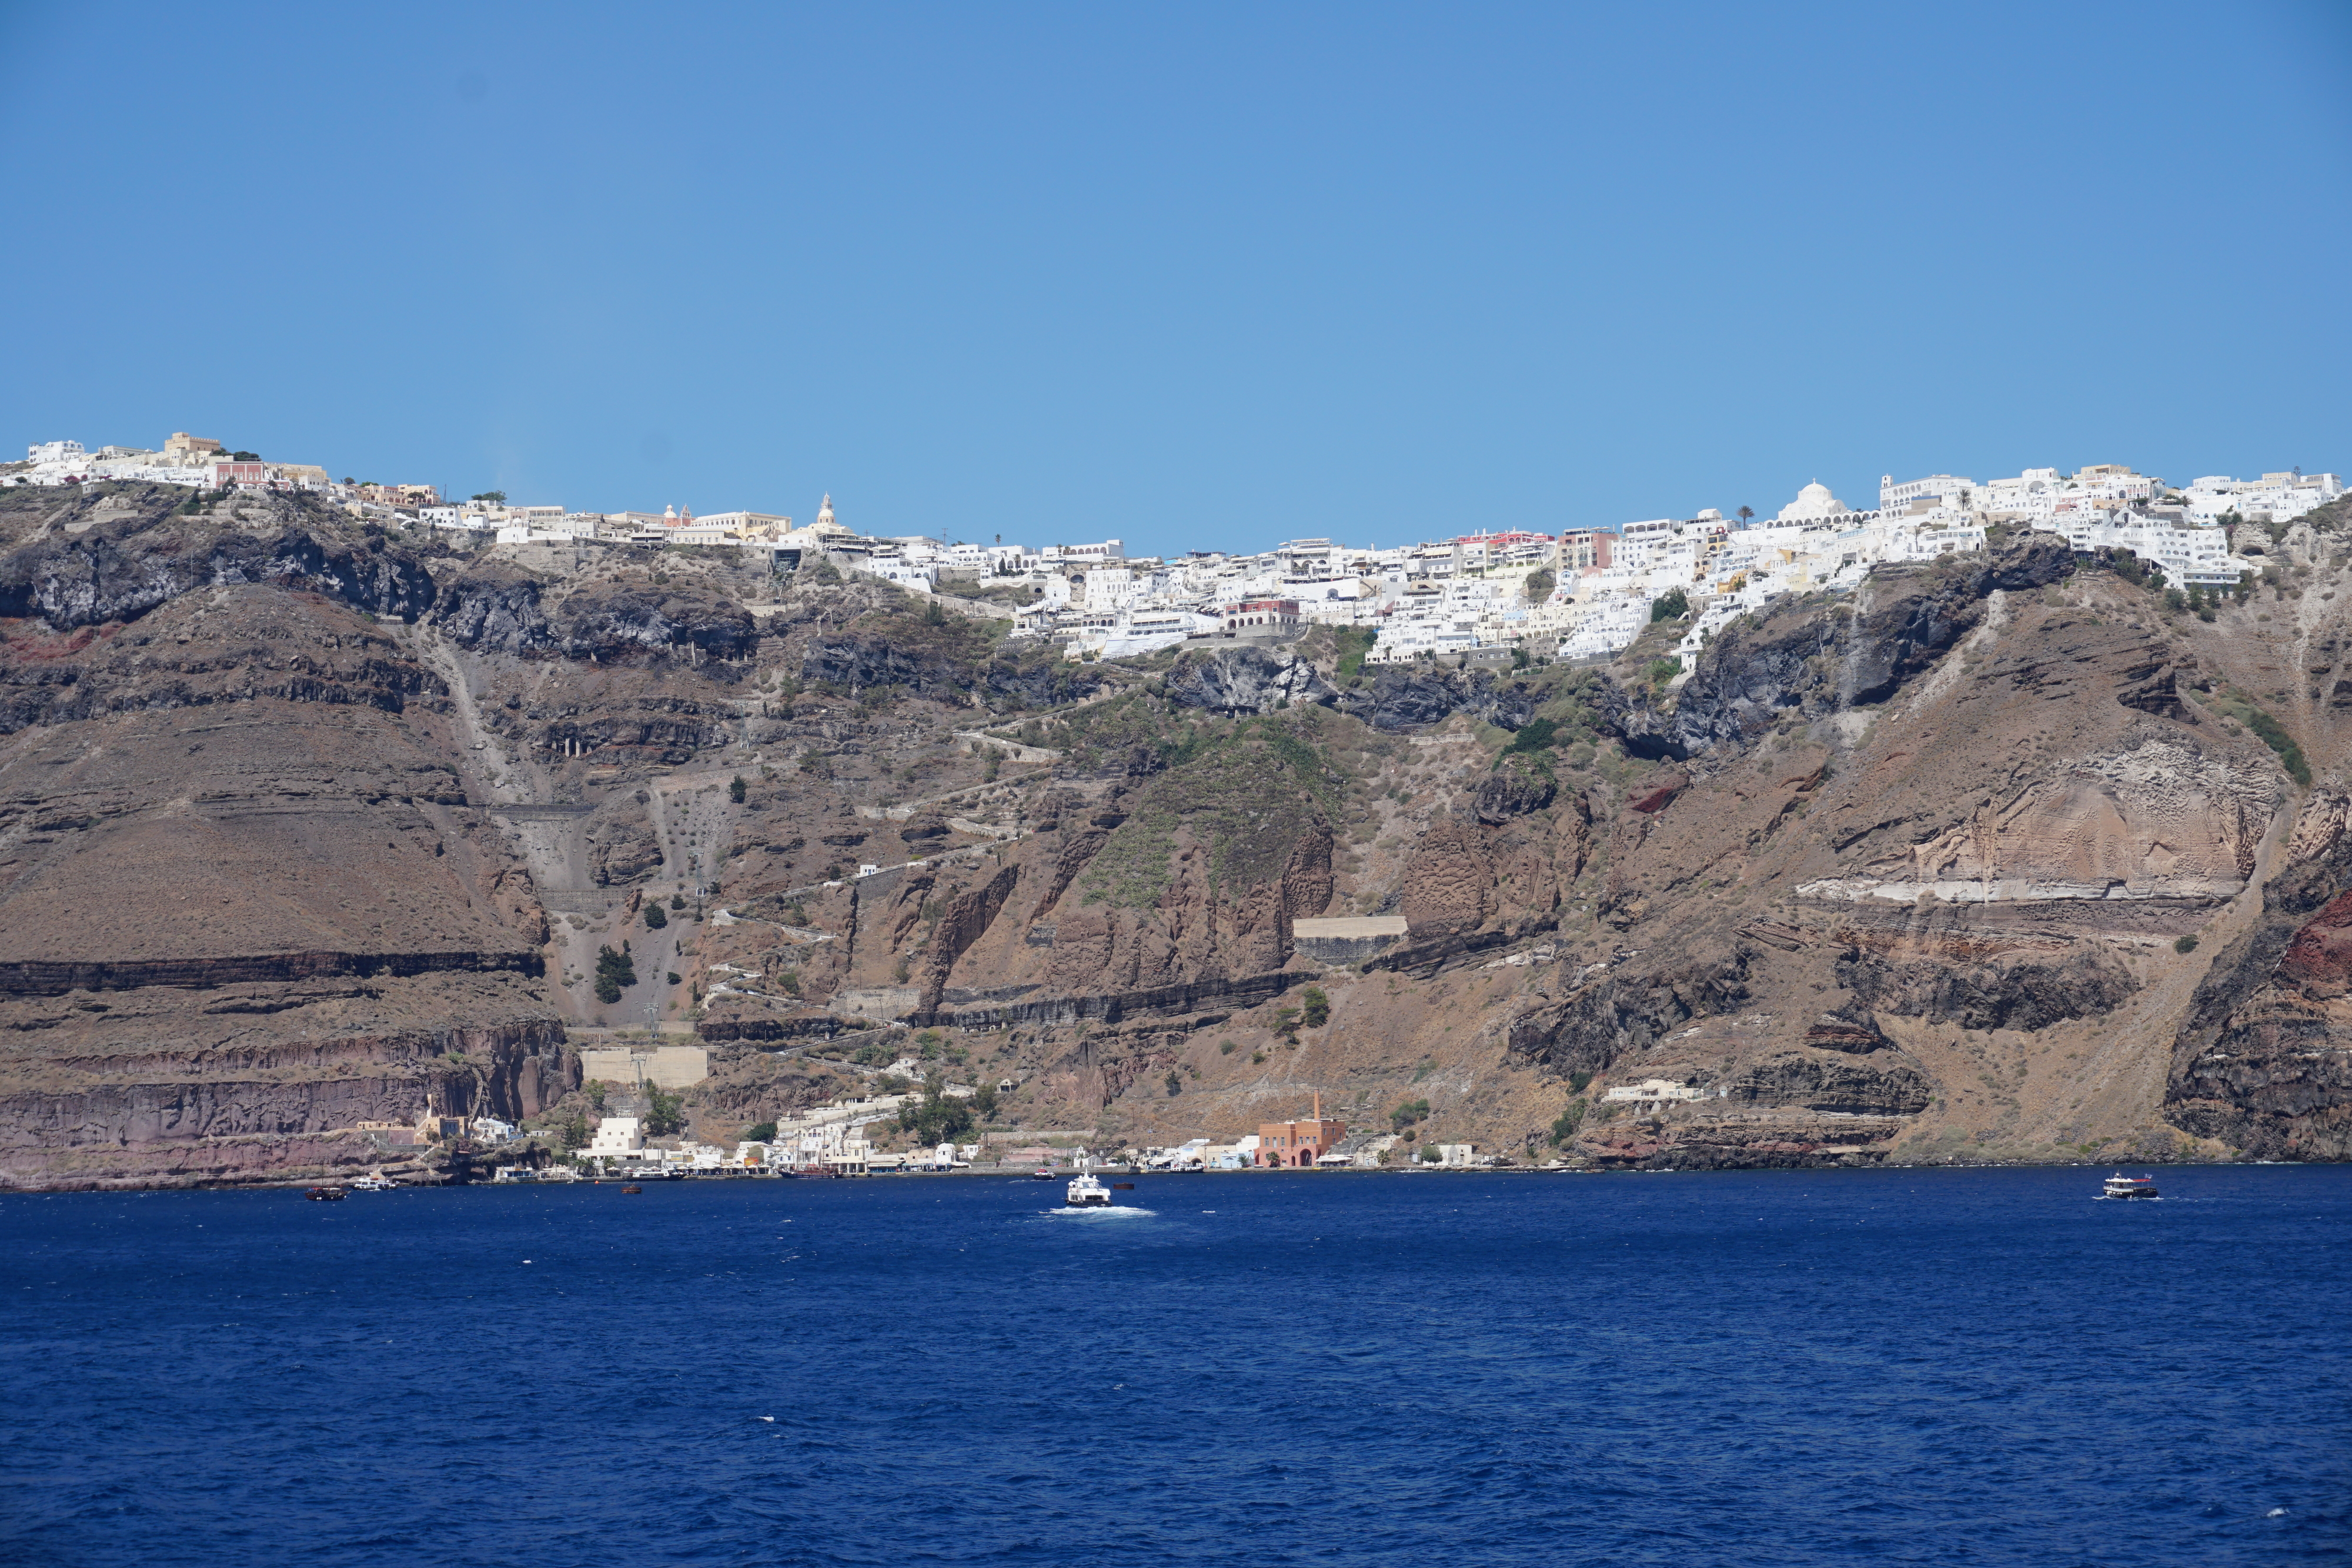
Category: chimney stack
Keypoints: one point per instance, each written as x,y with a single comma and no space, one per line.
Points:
1318,1107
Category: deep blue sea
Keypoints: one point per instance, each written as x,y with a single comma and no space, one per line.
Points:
1756,1368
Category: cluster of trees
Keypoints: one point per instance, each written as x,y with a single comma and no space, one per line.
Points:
1313,1011
665,1114
935,1118
614,972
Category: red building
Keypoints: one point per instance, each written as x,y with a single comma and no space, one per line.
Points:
1296,1145
1263,615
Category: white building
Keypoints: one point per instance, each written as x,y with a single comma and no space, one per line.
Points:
2273,498
616,1137
1944,489
2188,553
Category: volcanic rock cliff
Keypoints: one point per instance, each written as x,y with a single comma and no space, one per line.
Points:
307,824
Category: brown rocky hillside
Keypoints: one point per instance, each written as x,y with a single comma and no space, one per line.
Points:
303,824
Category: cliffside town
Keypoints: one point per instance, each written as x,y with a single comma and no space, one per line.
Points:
329,831
1488,597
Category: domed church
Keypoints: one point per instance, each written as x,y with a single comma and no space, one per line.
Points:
1812,504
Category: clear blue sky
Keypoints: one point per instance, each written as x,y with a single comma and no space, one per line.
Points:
1194,276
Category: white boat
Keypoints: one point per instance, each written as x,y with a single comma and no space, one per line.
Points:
371,1183
1088,1193
2122,1186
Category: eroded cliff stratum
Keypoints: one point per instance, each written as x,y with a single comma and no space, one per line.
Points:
304,825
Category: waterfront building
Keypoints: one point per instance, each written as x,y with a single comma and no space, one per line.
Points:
1296,1145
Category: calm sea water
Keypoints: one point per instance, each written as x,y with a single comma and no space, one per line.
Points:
1900,1366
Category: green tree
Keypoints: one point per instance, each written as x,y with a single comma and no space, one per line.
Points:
595,1088
983,1101
1534,736
935,1118
736,787
614,972
656,916
1539,584
1406,1114
1672,605
495,498
1315,1009
665,1113
1175,1083
575,1130
759,1132
1564,1128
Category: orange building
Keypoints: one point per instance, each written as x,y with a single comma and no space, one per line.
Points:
1296,1145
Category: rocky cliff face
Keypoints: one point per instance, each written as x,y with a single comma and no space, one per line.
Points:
303,825
1245,679
2263,1060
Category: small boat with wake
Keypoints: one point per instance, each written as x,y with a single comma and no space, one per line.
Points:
1085,1192
2120,1186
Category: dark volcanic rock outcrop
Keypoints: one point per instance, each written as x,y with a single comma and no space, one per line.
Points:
495,607
117,572
949,660
1245,679
615,619
1617,1013
1514,789
1415,698
2264,1062
1829,1084
1858,650
2014,993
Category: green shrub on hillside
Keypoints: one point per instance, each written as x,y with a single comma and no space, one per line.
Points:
615,971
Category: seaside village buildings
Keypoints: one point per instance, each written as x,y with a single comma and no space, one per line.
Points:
1475,597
